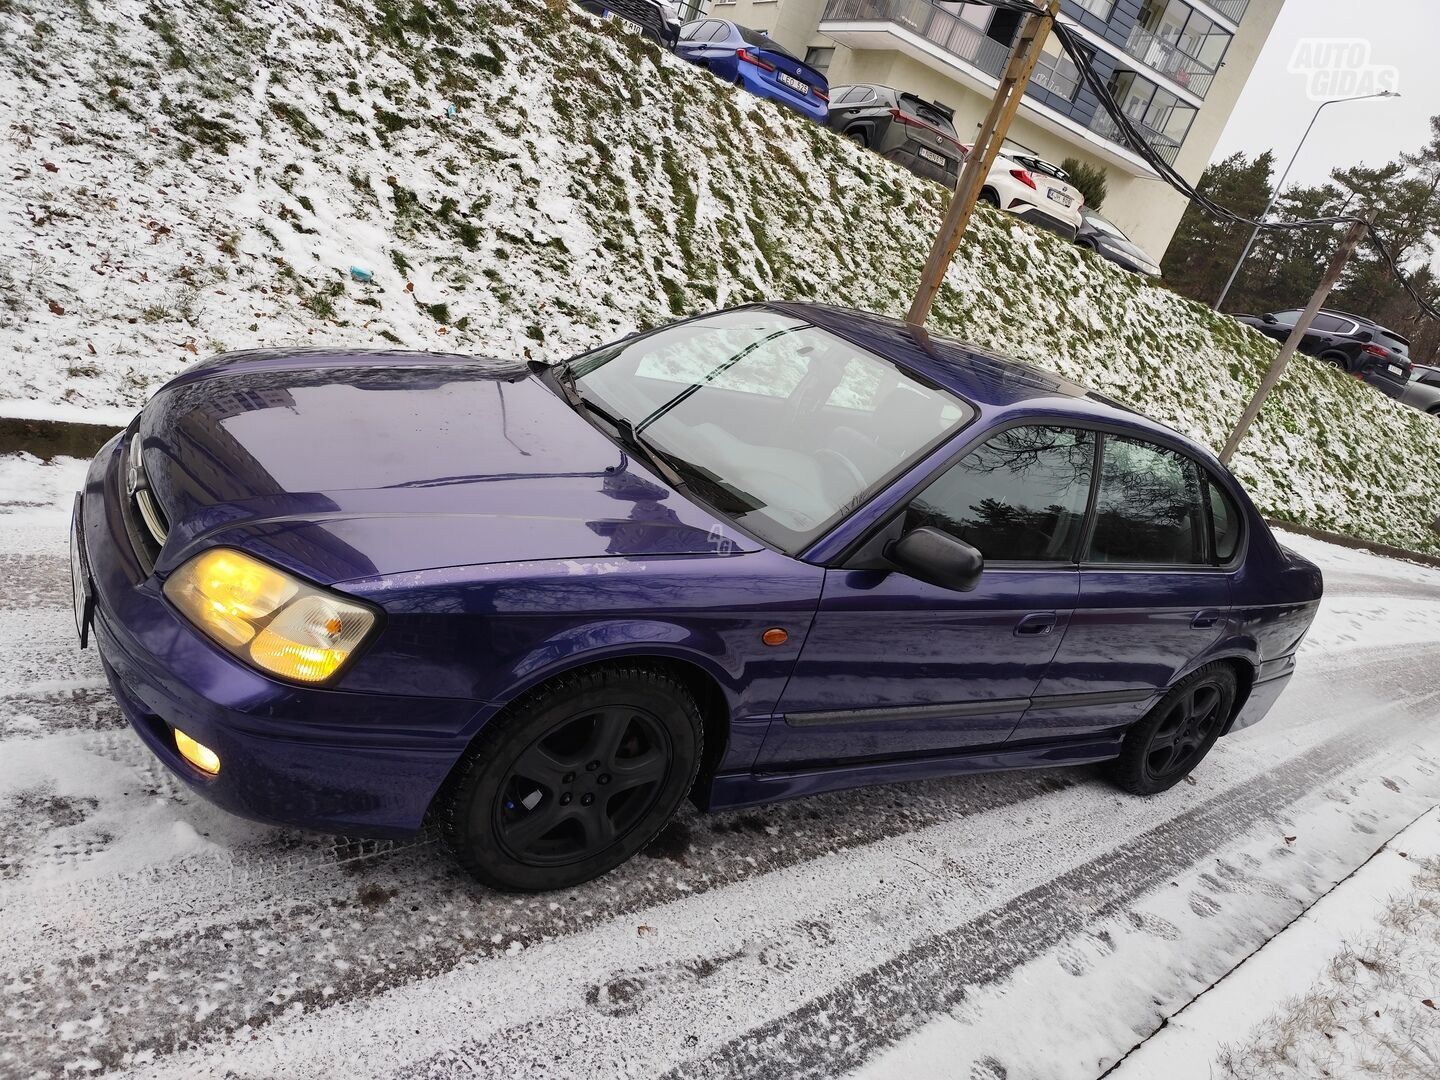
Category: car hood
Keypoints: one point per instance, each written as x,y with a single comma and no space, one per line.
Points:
345,465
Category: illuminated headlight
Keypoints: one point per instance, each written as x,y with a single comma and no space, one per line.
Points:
268,618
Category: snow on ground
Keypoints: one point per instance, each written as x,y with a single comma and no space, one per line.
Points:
1029,924
203,175
1368,958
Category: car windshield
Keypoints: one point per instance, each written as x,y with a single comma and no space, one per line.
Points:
1095,221
775,423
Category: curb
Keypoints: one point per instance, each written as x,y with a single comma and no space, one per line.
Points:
1386,550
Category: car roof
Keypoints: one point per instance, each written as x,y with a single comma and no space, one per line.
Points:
993,383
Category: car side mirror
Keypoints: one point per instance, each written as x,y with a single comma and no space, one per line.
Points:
1269,318
937,558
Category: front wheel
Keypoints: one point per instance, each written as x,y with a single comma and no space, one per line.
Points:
574,779
1164,747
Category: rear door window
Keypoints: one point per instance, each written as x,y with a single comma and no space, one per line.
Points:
1224,521
1020,497
1329,324
1148,511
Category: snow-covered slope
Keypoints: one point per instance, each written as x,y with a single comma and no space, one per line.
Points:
520,178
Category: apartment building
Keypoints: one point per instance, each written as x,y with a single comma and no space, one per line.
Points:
1175,66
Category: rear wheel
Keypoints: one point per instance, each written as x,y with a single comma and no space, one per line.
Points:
989,196
1164,747
858,138
1336,360
574,779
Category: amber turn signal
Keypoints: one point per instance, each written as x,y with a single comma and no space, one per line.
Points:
776,635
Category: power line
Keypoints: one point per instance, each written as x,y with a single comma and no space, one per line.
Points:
1073,45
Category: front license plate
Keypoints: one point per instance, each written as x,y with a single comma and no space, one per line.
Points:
792,82
82,594
934,158
1394,370
1059,196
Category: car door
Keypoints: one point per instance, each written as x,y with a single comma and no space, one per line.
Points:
893,666
1153,593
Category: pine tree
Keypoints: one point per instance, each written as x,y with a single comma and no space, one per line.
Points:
1203,250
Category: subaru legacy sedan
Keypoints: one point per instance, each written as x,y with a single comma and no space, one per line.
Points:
766,552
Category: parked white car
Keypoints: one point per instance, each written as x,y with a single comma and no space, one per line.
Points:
1034,189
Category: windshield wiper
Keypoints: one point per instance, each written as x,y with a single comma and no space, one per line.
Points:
623,428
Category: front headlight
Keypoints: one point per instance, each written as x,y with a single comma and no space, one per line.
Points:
268,618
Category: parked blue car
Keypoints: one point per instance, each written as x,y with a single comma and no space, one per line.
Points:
750,59
767,552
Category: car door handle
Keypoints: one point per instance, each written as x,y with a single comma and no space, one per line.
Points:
1204,620
1036,624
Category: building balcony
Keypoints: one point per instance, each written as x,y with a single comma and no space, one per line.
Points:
922,18
939,38
1234,10
1166,57
1163,145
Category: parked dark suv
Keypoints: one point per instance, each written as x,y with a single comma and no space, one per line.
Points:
900,126
658,20
1352,343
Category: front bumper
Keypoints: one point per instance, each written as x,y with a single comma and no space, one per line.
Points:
360,764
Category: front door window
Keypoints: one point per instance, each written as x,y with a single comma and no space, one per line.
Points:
1020,497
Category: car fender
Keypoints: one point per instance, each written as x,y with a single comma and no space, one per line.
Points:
1233,645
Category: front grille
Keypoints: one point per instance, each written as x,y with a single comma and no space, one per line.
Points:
145,537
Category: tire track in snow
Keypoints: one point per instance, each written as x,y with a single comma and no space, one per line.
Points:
840,1029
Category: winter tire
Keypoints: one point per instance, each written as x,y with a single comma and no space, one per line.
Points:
574,778
1174,737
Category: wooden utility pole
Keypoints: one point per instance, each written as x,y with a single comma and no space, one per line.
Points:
1302,327
1023,58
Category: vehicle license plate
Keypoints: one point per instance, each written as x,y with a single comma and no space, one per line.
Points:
82,598
1395,370
1059,196
931,156
793,83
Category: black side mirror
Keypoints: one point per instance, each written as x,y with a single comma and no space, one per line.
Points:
1269,318
937,558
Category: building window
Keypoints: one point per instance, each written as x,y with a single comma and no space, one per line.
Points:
1099,8
819,58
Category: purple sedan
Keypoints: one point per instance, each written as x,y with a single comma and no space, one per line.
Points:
762,553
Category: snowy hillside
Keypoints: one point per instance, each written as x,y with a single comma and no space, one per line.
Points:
522,179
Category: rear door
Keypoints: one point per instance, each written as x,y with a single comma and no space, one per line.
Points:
894,667
1154,593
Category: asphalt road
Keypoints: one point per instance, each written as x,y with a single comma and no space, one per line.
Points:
147,932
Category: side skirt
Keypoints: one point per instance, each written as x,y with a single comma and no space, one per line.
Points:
732,791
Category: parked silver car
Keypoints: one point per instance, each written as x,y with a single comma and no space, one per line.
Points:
1423,390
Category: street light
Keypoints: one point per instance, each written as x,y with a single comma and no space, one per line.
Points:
1276,197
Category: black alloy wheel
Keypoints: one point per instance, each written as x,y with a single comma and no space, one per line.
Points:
1165,746
579,787
575,777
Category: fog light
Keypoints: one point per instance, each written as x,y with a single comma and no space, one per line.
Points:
202,757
